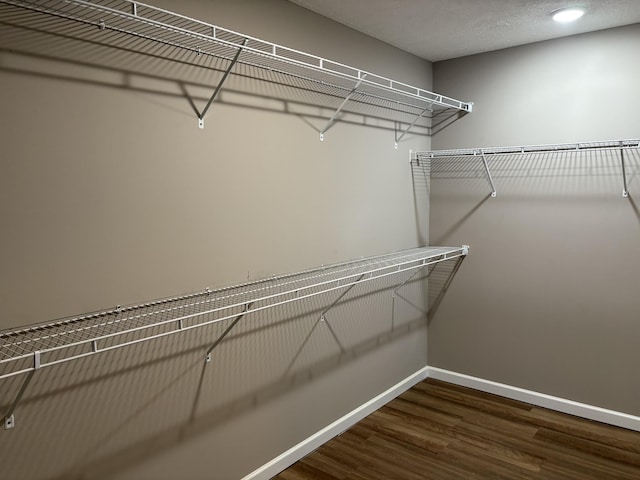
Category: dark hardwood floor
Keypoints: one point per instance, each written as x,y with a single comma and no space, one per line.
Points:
441,431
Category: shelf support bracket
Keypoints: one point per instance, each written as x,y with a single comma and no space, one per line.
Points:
217,90
9,419
625,191
486,168
396,294
344,102
428,109
335,302
323,315
323,319
226,332
395,291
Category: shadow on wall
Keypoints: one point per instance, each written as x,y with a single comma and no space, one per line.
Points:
421,175
440,279
41,46
634,206
444,119
95,416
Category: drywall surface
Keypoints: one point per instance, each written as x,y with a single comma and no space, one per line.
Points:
110,194
548,299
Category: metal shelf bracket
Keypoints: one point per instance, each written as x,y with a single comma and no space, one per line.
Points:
625,191
9,418
217,90
486,168
226,332
428,109
344,102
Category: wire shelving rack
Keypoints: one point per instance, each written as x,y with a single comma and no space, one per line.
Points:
624,148
147,27
26,350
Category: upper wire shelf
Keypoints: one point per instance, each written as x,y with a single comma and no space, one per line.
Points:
557,147
628,147
29,349
178,33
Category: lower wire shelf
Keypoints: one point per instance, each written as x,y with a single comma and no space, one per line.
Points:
26,350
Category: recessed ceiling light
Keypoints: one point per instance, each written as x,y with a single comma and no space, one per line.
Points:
567,15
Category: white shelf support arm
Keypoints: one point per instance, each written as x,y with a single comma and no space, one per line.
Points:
226,332
486,168
323,315
323,319
625,191
428,109
9,419
413,275
217,90
344,102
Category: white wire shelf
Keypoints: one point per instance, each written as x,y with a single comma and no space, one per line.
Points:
558,147
621,148
38,346
169,35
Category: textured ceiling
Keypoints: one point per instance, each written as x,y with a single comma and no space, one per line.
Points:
443,29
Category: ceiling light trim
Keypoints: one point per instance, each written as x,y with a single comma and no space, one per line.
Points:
568,14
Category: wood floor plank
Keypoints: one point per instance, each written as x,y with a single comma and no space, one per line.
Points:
326,464
479,465
590,430
438,431
392,426
424,461
386,467
590,446
422,411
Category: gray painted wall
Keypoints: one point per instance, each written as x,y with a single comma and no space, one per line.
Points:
110,194
548,299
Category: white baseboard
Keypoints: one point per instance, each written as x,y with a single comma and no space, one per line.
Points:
540,399
308,445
